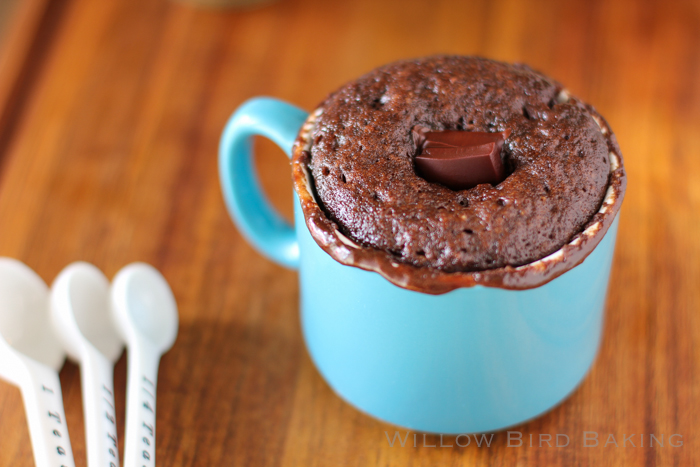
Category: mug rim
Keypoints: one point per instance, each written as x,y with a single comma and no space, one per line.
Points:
434,281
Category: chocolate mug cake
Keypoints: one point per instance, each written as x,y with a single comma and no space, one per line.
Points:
454,232
367,203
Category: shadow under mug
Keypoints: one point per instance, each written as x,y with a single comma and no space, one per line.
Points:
472,360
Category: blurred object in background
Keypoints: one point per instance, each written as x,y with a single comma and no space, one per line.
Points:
223,3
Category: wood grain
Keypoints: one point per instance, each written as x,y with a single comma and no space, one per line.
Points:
110,114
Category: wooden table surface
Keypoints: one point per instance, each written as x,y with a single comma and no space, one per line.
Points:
110,115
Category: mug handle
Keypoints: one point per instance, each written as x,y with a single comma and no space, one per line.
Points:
251,211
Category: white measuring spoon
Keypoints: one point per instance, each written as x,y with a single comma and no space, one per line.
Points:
145,314
30,357
80,312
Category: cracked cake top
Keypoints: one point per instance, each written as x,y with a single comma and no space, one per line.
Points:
358,155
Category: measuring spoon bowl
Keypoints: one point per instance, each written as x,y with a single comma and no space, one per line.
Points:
144,306
80,309
23,315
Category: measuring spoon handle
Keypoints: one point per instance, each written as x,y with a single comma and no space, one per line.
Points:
140,440
98,406
43,404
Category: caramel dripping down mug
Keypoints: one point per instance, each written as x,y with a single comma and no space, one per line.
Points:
473,359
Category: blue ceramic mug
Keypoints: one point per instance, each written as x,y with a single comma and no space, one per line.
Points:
471,360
